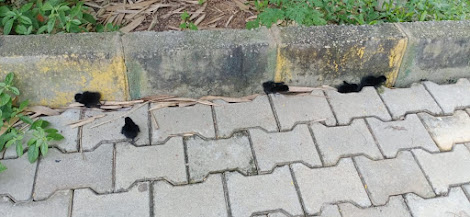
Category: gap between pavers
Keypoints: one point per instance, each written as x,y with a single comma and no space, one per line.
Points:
58,205
455,203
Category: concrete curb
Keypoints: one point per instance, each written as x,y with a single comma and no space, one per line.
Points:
51,68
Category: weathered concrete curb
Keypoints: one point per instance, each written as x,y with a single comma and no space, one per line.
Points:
51,68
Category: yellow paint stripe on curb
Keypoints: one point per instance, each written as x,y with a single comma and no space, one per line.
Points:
395,60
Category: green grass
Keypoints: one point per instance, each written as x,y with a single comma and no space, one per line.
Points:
322,12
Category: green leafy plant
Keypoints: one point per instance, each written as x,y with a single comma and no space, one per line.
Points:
186,23
50,16
14,135
321,12
201,2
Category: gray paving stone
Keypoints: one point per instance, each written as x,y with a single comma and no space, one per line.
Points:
466,188
330,211
403,134
390,177
254,194
330,185
449,130
272,149
182,120
452,96
111,131
17,181
57,205
59,122
445,169
206,156
395,207
409,100
134,203
60,171
344,141
203,199
366,103
456,204
302,108
235,116
150,163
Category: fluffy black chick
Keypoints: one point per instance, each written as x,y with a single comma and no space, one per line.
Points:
130,129
274,87
348,88
373,81
89,99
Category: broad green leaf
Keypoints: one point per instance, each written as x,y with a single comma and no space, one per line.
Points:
44,149
51,130
9,143
4,99
10,14
39,142
184,16
47,6
55,136
89,18
32,141
9,78
51,24
41,29
26,119
21,29
64,8
25,20
23,105
15,90
7,27
35,125
19,149
26,7
4,138
33,154
3,10
76,22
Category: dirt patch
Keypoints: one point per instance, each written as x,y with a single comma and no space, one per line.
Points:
163,15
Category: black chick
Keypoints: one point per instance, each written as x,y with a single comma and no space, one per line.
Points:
274,87
373,81
89,99
348,88
130,129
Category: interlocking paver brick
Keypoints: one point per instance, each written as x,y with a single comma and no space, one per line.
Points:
252,194
394,136
273,149
133,203
302,108
456,204
60,171
182,120
111,131
57,205
366,103
203,199
150,163
59,122
17,181
330,185
449,130
330,211
235,116
395,207
343,141
445,169
466,188
452,96
206,156
390,177
407,100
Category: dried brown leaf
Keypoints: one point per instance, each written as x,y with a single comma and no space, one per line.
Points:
43,110
198,11
231,99
163,105
131,26
200,19
241,5
82,122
